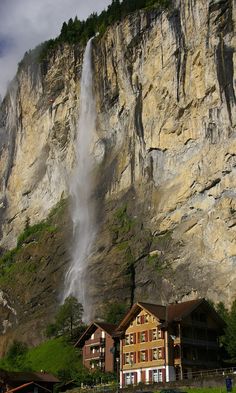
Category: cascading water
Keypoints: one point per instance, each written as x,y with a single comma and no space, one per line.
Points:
83,210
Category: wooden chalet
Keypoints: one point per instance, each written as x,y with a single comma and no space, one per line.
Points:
30,387
99,349
27,382
165,343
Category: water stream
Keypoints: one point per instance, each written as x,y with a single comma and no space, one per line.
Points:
81,188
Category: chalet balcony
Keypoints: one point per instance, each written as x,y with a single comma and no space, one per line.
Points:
199,343
201,363
94,356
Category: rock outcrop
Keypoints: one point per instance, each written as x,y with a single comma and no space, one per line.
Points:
166,162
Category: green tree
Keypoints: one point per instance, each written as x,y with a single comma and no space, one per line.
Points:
51,330
230,332
114,312
228,339
16,354
69,315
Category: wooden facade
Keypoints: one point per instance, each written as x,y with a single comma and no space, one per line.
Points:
160,344
98,347
39,382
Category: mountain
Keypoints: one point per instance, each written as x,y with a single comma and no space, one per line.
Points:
165,166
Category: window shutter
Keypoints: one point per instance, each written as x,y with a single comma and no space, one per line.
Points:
123,359
150,335
163,353
134,357
163,375
162,333
123,380
138,356
146,336
138,337
142,319
134,338
150,375
146,355
135,378
150,354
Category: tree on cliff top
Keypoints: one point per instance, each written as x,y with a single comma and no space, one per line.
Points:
68,317
76,31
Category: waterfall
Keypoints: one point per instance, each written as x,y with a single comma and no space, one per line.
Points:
81,188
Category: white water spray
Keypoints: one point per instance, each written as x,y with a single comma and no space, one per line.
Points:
83,211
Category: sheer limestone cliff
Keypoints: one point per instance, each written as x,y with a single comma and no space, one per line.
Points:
166,159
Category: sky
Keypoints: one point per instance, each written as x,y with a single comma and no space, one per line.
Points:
26,23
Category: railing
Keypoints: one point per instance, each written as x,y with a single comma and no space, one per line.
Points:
203,343
210,373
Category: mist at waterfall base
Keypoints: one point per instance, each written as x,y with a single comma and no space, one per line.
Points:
81,187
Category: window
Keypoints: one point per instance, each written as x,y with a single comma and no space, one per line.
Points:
159,375
154,354
127,339
129,378
203,317
159,333
131,339
143,337
127,358
103,334
154,334
160,352
92,336
143,356
146,318
155,375
138,320
131,358
132,378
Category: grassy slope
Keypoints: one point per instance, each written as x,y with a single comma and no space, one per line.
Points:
51,356
208,390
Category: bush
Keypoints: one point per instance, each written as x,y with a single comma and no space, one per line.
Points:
34,230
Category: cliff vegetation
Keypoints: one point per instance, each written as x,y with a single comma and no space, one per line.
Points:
78,32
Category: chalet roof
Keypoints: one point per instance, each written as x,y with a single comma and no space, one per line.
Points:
25,385
177,311
109,328
25,376
170,313
157,310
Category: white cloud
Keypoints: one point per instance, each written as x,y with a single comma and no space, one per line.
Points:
26,23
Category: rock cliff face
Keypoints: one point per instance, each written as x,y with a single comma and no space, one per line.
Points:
166,162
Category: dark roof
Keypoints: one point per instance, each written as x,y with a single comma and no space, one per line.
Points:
25,385
170,313
157,310
178,311
109,328
27,376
